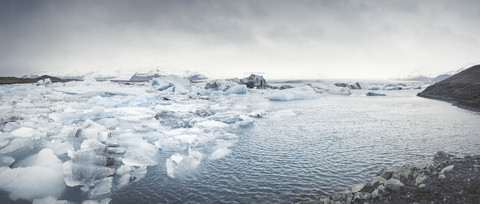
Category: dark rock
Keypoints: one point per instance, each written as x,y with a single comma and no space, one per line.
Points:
393,184
351,86
15,80
196,77
254,81
374,94
204,113
6,119
132,178
217,85
442,157
462,88
357,187
385,173
144,76
359,196
170,118
110,161
285,87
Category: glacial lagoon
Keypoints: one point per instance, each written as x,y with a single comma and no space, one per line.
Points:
213,147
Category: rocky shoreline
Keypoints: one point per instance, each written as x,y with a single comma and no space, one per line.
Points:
447,179
462,89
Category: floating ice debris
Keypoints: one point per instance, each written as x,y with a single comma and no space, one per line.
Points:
106,134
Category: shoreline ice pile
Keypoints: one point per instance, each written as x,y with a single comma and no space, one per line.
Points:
96,137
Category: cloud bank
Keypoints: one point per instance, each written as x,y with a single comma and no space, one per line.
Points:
301,39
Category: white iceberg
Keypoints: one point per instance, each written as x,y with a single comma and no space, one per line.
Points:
298,93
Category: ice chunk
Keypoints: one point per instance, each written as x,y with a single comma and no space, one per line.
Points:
131,114
282,114
298,93
142,154
174,83
330,89
257,113
177,158
212,124
23,132
43,178
41,82
50,200
17,144
227,117
220,85
92,130
102,186
179,164
47,81
3,142
238,89
130,174
103,201
88,80
373,87
186,138
246,121
88,164
339,91
6,161
219,153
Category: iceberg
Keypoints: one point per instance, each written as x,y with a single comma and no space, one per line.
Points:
172,83
298,93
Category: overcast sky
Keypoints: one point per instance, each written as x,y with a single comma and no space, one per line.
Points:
301,39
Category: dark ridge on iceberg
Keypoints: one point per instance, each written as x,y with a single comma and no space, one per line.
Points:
16,80
142,77
462,88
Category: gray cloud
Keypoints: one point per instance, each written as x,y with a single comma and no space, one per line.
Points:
326,37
